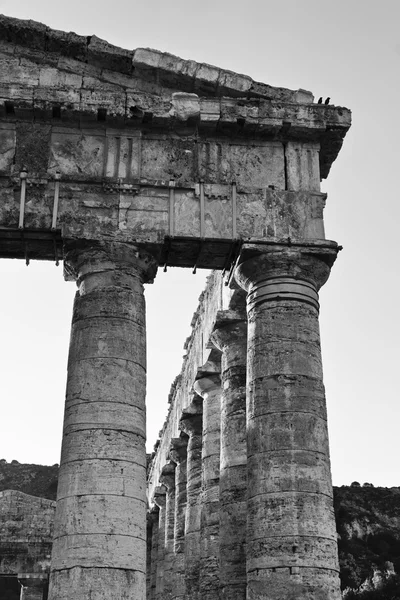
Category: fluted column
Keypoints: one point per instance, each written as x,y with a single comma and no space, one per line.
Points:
154,518
178,453
167,478
191,424
291,534
160,499
230,336
100,524
209,387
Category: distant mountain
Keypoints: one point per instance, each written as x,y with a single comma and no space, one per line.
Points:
36,480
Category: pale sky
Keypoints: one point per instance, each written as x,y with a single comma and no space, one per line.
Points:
348,50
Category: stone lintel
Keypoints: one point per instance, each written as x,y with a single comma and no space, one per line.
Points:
194,407
229,317
212,366
213,362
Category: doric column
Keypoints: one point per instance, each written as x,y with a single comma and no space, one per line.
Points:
153,519
191,424
291,536
167,478
178,453
160,499
208,385
230,336
149,531
100,524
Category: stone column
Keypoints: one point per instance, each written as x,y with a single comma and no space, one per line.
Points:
191,424
209,387
100,524
167,478
178,453
149,530
230,336
160,499
291,536
154,518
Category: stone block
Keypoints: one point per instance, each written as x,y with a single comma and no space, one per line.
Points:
106,56
185,106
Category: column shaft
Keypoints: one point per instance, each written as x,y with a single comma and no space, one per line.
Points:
167,478
149,539
209,387
291,535
191,424
178,453
154,552
161,501
100,525
230,336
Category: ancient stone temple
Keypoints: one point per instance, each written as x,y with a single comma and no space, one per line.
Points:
120,162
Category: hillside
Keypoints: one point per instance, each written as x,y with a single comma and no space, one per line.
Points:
36,480
368,525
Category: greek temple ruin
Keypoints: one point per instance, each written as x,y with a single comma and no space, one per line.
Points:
121,162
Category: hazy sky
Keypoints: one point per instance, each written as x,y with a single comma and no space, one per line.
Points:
348,50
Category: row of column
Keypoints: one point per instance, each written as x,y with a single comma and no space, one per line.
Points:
244,506
259,519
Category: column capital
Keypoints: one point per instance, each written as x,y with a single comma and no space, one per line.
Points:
178,448
167,475
160,496
230,326
191,421
207,383
83,258
285,272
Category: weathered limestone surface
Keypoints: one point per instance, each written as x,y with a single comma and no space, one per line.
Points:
208,386
191,423
161,501
100,528
230,336
154,519
167,478
144,145
149,543
178,453
291,535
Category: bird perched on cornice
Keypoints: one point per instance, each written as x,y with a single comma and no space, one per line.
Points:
320,100
327,101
